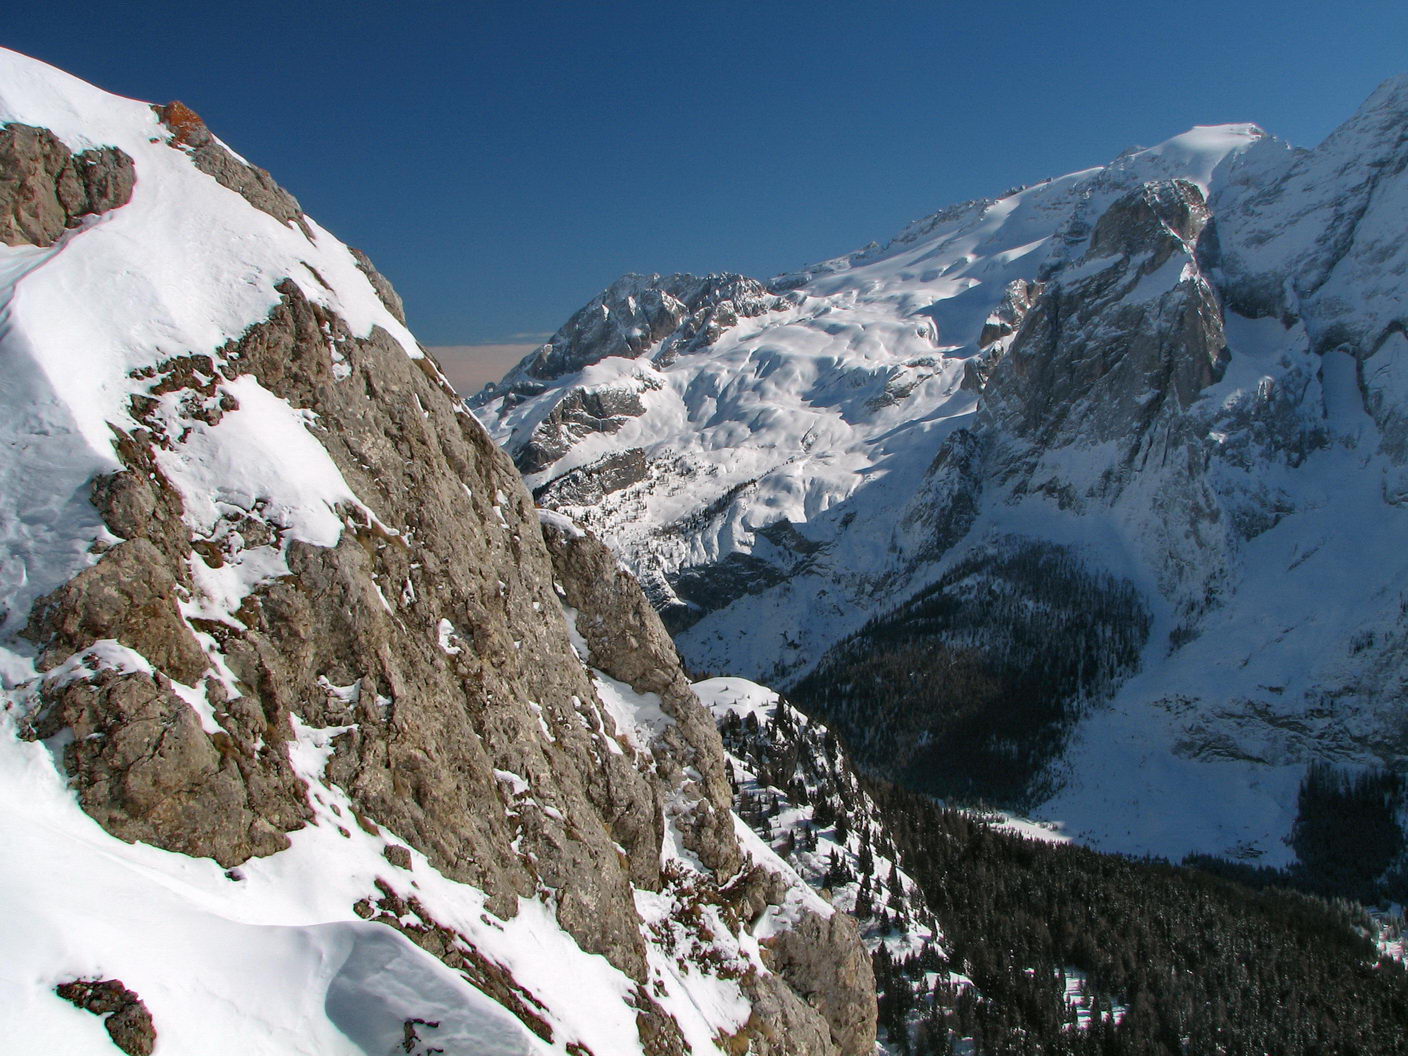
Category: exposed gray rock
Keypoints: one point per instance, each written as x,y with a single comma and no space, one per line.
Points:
131,596
1313,238
782,1023
1005,319
432,727
451,535
823,959
124,1014
820,959
1193,403
633,314
587,485
780,551
628,642
253,184
947,502
673,316
427,643
581,413
145,769
1091,362
381,284
1314,235
45,189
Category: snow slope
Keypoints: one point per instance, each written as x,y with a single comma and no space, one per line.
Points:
262,959
269,958
130,289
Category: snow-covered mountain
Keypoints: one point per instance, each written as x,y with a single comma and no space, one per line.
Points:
1090,496
313,739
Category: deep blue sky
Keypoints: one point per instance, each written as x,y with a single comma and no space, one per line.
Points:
501,162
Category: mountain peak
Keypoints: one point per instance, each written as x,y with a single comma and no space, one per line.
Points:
1108,372
288,670
1392,92
1192,155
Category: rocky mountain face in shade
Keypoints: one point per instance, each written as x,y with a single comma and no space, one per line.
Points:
337,747
1088,497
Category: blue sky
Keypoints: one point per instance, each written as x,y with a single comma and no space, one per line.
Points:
502,162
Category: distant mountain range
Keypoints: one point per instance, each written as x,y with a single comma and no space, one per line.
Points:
1089,499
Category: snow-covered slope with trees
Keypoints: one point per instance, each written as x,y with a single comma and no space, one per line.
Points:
1114,463
795,787
312,738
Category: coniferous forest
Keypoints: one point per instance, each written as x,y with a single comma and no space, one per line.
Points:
1176,960
1055,948
968,688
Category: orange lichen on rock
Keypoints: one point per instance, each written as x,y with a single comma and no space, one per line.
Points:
185,124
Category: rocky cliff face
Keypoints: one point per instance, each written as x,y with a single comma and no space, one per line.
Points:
283,606
1165,385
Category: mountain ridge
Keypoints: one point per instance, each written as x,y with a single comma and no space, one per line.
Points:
293,701
1108,362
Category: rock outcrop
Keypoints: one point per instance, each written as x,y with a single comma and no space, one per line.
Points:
666,317
430,725
317,581
45,189
635,314
1094,361
210,156
822,958
819,957
124,1015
